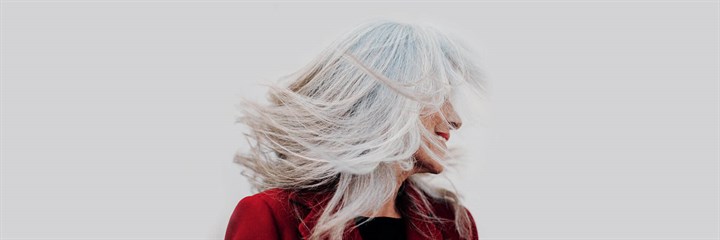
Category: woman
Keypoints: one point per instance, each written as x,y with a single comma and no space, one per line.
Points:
337,152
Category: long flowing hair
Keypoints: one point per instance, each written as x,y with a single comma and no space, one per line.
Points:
352,116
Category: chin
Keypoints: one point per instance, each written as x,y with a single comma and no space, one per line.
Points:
436,169
428,167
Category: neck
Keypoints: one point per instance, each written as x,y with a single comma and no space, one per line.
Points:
388,208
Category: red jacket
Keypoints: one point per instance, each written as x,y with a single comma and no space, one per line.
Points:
284,215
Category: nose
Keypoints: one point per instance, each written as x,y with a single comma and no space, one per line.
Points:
454,125
452,117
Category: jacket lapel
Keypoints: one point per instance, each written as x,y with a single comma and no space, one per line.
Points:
415,228
313,204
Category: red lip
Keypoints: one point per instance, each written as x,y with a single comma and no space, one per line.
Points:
446,136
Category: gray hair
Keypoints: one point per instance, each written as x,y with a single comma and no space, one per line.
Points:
352,116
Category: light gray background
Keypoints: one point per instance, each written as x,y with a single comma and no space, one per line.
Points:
117,117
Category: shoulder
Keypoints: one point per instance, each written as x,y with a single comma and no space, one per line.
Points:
265,215
271,198
280,203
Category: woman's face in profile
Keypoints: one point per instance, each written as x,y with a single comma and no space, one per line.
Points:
441,127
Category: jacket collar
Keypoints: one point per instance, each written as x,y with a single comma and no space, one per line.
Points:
317,201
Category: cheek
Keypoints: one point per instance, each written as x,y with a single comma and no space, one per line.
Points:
425,163
429,122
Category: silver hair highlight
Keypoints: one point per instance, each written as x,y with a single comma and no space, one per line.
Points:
352,117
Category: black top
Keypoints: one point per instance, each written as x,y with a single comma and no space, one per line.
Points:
380,228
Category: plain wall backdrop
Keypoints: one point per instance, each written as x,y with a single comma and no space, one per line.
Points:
118,116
